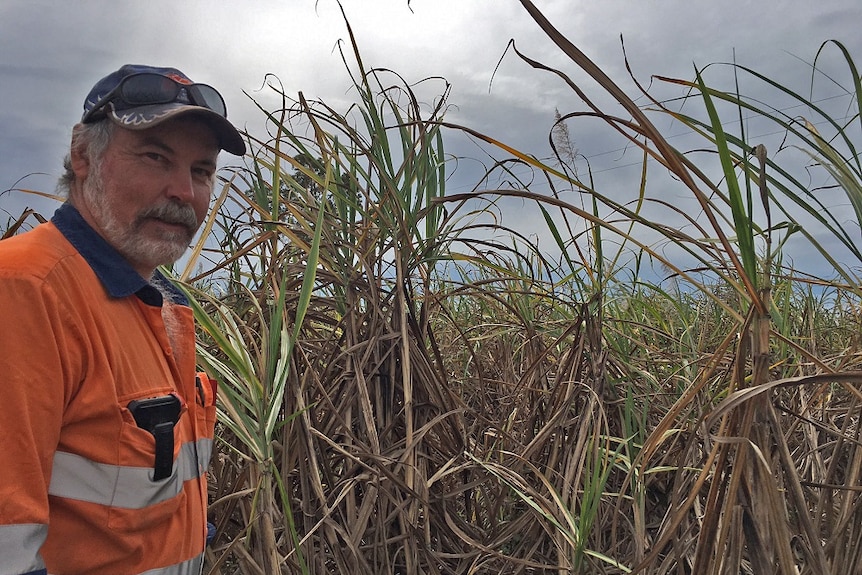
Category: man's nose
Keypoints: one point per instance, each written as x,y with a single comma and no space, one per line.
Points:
181,187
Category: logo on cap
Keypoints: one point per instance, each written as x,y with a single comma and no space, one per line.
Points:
179,79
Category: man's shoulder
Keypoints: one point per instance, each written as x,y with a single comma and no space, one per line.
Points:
34,253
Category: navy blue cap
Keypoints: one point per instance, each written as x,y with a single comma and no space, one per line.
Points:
140,117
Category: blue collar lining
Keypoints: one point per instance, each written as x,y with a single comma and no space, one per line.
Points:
112,269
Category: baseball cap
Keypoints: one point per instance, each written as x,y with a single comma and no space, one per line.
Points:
138,97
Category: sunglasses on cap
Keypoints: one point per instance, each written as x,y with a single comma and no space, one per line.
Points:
146,88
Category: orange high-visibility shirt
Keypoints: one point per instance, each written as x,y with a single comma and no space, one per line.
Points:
83,335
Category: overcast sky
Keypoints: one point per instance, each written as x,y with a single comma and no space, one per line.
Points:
51,53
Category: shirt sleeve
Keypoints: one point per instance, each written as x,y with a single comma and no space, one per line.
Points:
39,358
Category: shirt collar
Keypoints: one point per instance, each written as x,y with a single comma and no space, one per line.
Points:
116,274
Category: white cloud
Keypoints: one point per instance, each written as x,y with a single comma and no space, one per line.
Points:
51,53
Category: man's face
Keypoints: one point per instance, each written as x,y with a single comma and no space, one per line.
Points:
151,191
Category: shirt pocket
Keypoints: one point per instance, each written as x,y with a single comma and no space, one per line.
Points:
138,502
206,390
205,418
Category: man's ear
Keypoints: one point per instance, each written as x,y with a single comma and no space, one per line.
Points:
80,160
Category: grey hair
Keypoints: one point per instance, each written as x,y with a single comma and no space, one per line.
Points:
95,138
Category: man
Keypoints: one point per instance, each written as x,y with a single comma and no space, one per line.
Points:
106,428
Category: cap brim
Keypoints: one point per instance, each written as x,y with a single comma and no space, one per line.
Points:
144,117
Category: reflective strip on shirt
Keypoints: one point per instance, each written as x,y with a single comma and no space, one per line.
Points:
191,567
19,547
76,477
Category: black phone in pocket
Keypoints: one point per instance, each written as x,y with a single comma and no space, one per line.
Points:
159,415
155,410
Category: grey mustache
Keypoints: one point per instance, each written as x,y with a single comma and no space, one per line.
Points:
173,213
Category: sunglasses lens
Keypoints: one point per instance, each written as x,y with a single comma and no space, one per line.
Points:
148,89
207,96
